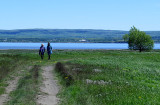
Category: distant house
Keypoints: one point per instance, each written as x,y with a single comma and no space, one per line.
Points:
82,40
5,40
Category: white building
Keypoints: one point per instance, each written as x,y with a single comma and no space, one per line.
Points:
82,40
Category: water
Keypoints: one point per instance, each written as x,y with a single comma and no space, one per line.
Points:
68,45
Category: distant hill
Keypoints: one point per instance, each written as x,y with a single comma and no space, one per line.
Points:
67,35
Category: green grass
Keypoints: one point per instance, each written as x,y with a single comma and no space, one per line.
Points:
15,61
131,77
27,89
9,64
2,90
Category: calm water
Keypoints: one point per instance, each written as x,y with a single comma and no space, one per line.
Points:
68,45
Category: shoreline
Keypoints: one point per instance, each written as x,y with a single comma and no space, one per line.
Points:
76,49
76,42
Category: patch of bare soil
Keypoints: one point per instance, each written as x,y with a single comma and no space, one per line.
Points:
49,88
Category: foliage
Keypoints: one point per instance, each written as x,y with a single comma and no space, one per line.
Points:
67,35
138,40
126,37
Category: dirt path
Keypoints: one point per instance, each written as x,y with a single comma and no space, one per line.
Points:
49,88
11,86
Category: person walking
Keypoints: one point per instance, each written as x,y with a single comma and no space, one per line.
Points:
49,50
41,51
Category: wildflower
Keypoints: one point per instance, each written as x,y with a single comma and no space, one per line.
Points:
66,77
139,97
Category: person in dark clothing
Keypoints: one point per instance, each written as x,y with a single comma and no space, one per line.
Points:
41,51
49,50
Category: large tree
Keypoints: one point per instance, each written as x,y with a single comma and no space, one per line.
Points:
138,40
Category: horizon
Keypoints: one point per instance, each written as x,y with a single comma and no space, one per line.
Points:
68,29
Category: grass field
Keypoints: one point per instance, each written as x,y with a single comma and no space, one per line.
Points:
113,77
99,77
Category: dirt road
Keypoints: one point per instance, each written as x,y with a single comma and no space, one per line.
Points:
49,88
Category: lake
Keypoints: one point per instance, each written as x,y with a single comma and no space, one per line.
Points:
68,45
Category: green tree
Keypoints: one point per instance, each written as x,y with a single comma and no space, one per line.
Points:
138,40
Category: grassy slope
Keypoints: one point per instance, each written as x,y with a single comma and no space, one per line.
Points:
133,77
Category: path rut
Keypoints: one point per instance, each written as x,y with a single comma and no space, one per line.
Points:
49,88
12,84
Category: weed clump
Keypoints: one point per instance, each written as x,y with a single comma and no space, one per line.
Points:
67,76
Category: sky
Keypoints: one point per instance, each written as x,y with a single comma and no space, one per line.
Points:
80,14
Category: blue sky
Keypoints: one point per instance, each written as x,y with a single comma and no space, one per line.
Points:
80,14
